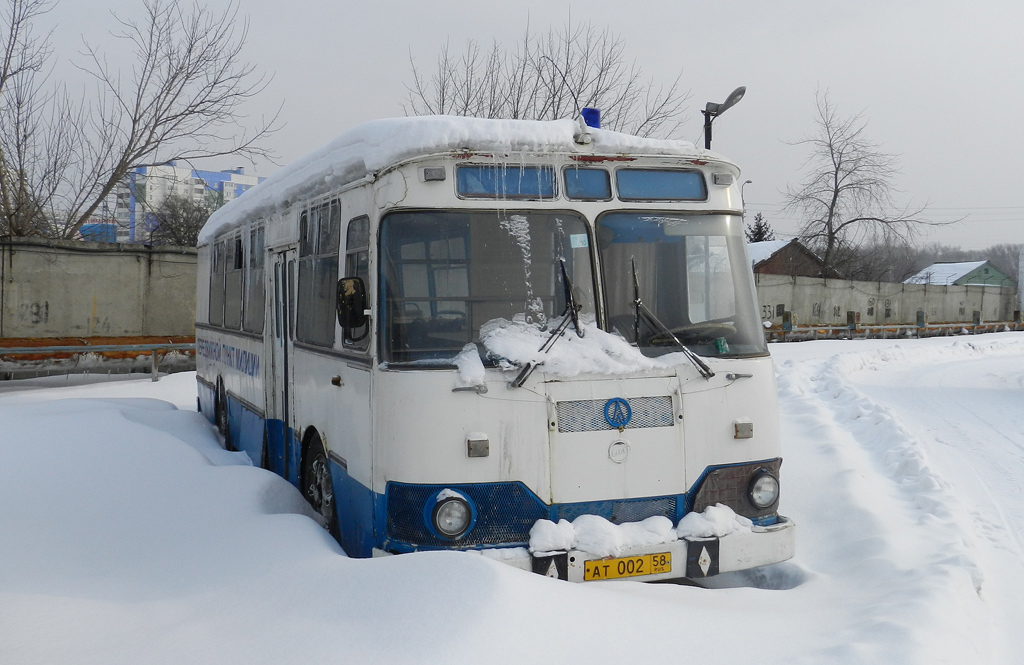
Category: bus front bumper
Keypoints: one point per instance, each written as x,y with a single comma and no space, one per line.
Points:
685,558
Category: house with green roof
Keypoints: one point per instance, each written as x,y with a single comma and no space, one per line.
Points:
963,273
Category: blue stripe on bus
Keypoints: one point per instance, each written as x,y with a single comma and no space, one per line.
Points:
207,398
275,446
363,515
356,506
246,429
283,451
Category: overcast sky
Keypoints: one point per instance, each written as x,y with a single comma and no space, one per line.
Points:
939,82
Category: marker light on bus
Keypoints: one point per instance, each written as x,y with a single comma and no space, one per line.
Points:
452,516
764,490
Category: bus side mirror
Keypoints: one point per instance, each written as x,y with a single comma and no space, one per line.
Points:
351,303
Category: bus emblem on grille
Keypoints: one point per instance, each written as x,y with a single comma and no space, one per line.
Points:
617,412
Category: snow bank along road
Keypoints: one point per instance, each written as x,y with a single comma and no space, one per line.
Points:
128,536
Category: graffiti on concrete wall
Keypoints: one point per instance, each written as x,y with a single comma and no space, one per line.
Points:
34,313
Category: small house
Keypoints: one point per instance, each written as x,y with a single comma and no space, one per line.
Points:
963,273
787,257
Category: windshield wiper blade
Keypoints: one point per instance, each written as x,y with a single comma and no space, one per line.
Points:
640,311
571,307
571,314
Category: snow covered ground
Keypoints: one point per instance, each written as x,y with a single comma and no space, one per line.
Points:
128,536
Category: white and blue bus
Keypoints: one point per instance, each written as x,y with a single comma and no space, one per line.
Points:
446,331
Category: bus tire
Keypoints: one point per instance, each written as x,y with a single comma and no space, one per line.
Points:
317,485
220,414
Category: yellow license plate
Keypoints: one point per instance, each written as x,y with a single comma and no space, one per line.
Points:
630,566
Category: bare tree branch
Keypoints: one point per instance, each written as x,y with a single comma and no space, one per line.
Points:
179,220
182,99
550,77
847,196
30,157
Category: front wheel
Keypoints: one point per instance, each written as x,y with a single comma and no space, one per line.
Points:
317,486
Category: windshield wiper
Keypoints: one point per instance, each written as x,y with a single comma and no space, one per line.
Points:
640,311
571,314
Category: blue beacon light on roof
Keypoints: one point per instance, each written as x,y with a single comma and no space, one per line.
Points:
592,117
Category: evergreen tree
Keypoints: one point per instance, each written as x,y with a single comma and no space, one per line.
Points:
760,230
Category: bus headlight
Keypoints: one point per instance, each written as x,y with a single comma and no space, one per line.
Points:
764,489
452,516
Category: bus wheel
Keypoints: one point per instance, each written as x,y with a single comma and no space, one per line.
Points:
317,486
220,414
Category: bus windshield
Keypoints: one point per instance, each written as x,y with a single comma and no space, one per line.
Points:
692,276
445,273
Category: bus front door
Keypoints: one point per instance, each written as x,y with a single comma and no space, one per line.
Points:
283,450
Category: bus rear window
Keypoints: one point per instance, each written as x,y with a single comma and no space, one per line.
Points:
660,185
503,181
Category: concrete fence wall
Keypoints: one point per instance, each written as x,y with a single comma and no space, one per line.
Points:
818,301
86,289
51,288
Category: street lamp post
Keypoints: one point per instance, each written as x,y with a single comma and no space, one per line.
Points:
743,199
712,110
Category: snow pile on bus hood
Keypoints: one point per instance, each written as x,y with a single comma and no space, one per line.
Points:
372,146
596,535
715,522
600,352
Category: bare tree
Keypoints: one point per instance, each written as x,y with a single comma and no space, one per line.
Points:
33,152
881,262
547,78
181,100
847,197
179,219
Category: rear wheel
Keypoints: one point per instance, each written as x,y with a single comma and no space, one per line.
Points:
317,486
220,414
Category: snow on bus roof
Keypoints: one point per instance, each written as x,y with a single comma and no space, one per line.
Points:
375,145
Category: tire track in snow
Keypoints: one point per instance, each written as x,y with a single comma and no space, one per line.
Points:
959,399
891,535
966,404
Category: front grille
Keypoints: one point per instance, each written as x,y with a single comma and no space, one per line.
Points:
620,511
729,485
505,513
587,415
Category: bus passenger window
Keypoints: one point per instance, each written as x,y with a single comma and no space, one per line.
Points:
357,264
505,182
587,184
318,275
233,284
661,185
217,270
255,289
